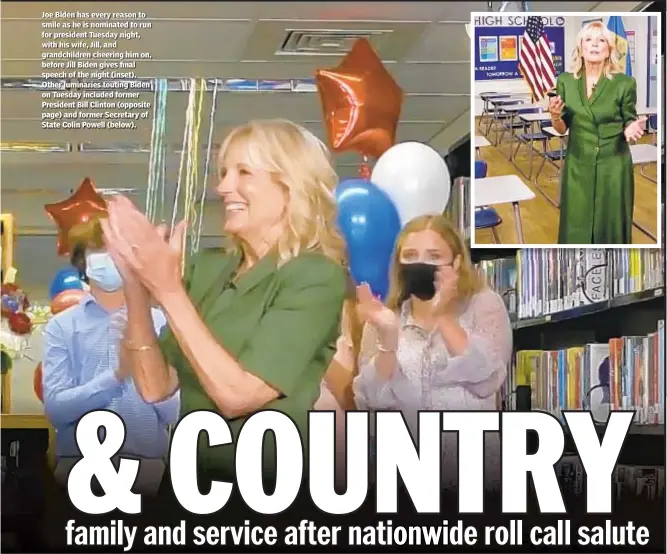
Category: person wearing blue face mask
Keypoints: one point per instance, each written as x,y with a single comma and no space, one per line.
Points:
85,369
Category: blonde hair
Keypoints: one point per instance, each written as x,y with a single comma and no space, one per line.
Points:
470,281
301,164
612,64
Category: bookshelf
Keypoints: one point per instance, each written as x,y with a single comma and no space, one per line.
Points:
551,316
654,295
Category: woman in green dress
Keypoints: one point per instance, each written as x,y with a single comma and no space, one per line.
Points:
253,327
596,103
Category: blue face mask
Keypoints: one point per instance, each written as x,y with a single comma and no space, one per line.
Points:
101,269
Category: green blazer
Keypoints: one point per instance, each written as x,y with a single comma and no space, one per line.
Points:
597,181
280,324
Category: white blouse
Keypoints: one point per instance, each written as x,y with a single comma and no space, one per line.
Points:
429,378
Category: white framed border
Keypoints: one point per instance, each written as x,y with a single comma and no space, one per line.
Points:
473,132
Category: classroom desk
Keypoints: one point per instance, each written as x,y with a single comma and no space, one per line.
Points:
497,104
518,106
533,117
486,97
480,142
644,154
516,99
555,133
514,110
503,189
647,111
530,119
551,132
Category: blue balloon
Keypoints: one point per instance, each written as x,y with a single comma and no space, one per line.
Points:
370,224
65,279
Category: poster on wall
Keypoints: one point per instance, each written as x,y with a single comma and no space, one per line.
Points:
630,37
498,42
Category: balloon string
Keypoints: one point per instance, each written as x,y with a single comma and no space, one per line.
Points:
157,160
181,167
160,169
188,165
162,151
207,168
151,156
193,169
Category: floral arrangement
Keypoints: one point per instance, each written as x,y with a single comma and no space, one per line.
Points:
19,320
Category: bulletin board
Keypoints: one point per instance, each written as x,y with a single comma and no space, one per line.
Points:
497,51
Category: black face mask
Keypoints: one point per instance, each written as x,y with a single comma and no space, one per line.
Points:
419,280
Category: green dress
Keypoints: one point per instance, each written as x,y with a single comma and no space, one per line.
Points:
598,184
280,324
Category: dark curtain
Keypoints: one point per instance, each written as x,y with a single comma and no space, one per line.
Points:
458,159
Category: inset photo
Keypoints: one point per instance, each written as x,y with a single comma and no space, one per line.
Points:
567,122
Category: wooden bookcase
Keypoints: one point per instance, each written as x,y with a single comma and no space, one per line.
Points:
6,261
7,242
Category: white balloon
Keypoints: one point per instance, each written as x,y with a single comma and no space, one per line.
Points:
415,177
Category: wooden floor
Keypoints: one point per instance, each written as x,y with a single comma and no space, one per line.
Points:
539,217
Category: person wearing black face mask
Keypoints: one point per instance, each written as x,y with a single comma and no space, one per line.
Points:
443,339
419,280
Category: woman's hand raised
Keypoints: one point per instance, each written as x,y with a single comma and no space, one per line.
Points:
555,108
140,249
372,311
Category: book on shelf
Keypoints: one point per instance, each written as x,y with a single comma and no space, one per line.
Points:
501,275
635,270
541,282
627,373
629,481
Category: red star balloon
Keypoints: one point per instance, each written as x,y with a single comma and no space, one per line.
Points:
361,102
85,204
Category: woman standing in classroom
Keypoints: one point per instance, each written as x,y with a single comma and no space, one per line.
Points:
596,103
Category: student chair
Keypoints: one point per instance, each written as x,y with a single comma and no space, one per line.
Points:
653,127
486,217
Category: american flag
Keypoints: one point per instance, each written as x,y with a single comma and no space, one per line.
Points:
535,61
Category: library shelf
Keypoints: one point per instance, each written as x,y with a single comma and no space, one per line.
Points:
589,309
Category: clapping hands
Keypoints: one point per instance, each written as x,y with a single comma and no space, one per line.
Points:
140,249
372,311
447,289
